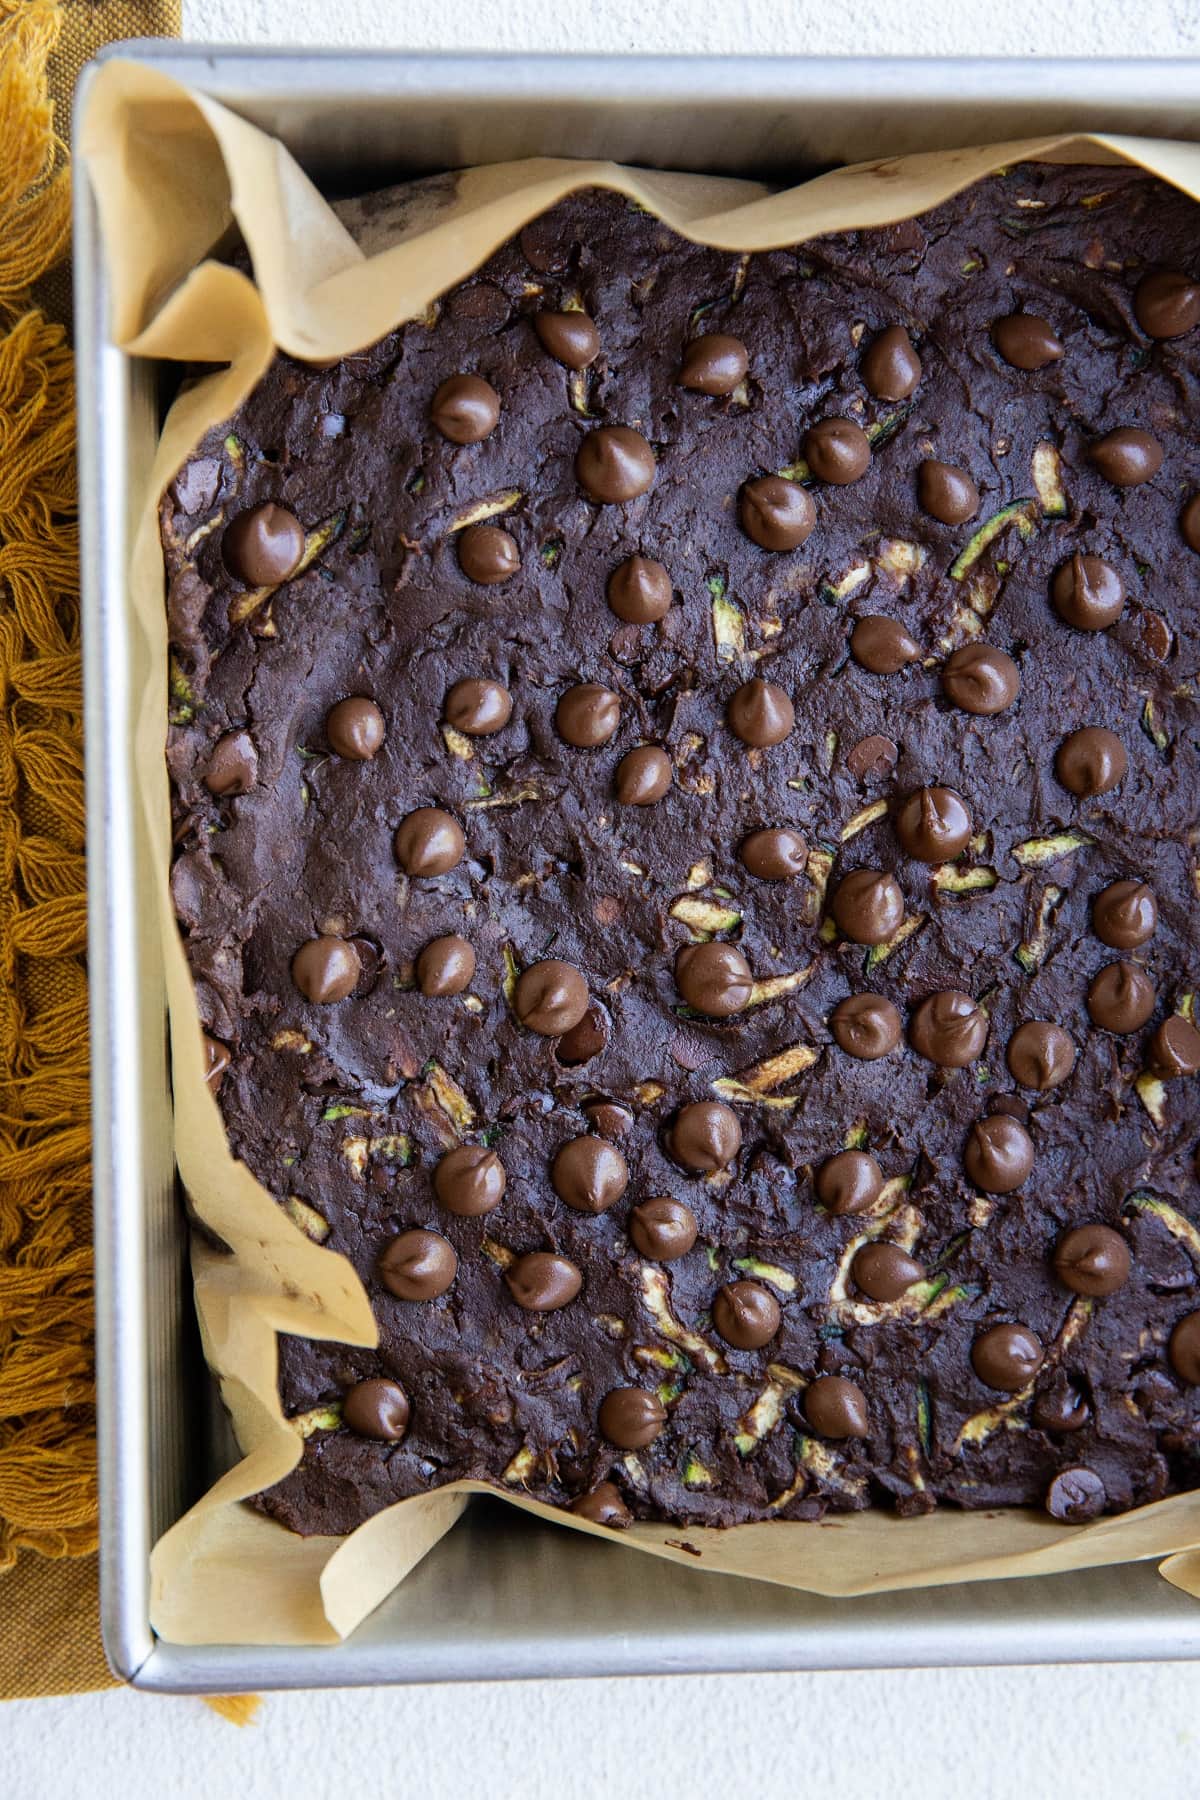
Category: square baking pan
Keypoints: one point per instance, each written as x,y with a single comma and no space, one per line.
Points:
502,1596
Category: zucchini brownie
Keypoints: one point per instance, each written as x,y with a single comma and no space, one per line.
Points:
685,784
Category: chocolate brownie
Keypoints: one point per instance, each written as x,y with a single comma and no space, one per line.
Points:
685,776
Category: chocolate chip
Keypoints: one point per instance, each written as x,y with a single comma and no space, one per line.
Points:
746,1314
836,1408
1087,593
933,825
631,1418
1174,1049
705,1136
604,1505
418,1265
1167,304
882,645
849,1182
354,729
639,591
775,513
1189,523
584,1040
774,854
890,367
1061,1409
643,776
760,713
589,1174
570,338
1126,457
541,1282
478,707
946,493
1075,1496
445,966
1090,761
429,842
587,715
195,487
469,1181
866,1026
662,1229
1124,915
1040,1055
466,409
232,765
326,969
1092,1260
980,679
263,546
487,555
867,906
1025,341
998,1156
609,1119
713,364
1007,1357
715,979
216,1061
885,1272
1121,998
949,1029
1183,1349
837,451
872,758
614,464
550,997
377,1409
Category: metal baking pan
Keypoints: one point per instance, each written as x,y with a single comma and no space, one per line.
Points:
502,1597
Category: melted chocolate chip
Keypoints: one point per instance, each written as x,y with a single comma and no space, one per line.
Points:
885,1272
1126,457
1183,1349
478,707
604,1505
760,713
1167,304
848,1182
643,776
418,1265
867,906
705,1136
585,1040
445,966
1174,1049
1189,523
588,715
631,1417
1007,1357
946,493
775,513
1090,761
882,645
836,1408
980,679
1075,1496
1061,1409
614,464
541,1282
713,364
355,729
639,591
1092,1260
570,338
662,1229
715,979
469,1181
609,1119
326,969
1040,1055
1087,593
550,997
872,758
429,842
933,825
487,555
263,546
1121,998
746,1314
890,367
466,409
1125,915
837,451
866,1026
776,854
232,765
949,1029
377,1409
589,1174
998,1156
1025,341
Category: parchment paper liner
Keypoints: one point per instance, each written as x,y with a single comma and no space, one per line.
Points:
171,169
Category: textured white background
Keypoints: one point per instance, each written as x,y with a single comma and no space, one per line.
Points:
1076,1734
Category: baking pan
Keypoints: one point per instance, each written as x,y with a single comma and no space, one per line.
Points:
502,1596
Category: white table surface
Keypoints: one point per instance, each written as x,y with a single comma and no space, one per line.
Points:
1076,1734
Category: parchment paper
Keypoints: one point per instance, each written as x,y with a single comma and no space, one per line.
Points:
172,170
